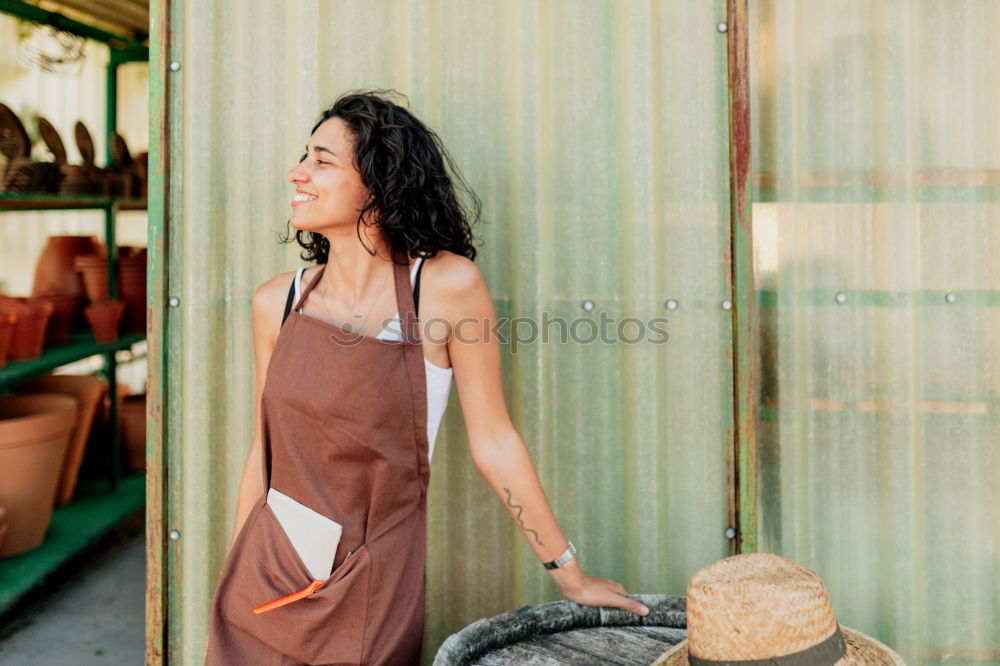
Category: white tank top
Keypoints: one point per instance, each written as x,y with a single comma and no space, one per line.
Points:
438,378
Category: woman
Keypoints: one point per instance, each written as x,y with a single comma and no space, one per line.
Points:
350,391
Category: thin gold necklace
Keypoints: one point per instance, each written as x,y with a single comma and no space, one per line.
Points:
348,327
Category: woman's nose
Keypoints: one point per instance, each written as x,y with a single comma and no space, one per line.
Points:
297,174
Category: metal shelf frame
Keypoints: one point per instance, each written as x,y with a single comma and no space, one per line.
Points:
122,49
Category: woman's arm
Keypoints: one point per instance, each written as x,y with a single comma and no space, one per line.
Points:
266,306
497,450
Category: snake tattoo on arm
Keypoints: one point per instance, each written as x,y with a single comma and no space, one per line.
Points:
520,510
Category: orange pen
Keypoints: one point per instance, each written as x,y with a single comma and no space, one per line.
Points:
289,598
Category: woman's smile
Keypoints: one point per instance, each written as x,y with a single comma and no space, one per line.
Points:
302,198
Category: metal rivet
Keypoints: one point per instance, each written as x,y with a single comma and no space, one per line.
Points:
730,533
841,297
722,27
727,304
173,301
587,305
174,535
175,66
671,304
950,297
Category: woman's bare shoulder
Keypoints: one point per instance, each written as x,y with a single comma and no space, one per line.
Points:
270,296
451,273
451,286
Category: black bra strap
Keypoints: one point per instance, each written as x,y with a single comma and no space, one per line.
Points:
288,301
416,289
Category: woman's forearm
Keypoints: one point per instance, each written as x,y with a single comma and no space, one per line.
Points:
507,467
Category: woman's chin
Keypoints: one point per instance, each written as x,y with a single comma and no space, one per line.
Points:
302,225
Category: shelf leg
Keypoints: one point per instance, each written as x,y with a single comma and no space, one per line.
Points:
111,368
111,238
111,109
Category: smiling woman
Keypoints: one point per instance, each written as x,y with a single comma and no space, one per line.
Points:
385,168
346,411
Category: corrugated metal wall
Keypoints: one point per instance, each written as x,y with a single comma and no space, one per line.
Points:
596,135
63,98
877,160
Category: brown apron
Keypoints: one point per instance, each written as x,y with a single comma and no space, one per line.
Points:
344,428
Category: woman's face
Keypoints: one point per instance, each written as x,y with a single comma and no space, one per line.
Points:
329,191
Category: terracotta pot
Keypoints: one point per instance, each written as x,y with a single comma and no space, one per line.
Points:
132,289
104,318
29,329
132,417
88,392
55,270
131,283
8,320
34,432
64,308
93,269
3,524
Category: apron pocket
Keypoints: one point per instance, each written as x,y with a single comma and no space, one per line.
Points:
323,626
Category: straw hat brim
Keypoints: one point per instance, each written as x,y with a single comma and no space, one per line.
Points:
862,650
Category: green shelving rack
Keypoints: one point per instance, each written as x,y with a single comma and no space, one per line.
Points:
91,516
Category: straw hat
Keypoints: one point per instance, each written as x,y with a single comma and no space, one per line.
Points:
759,608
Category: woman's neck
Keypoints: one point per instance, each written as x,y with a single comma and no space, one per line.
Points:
353,272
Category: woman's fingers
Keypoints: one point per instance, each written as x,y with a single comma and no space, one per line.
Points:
631,605
616,598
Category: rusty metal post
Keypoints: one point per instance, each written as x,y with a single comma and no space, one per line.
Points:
746,359
157,507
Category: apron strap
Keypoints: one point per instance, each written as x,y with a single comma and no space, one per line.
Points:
309,287
404,297
404,300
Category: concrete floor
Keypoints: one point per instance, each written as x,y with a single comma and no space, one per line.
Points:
99,618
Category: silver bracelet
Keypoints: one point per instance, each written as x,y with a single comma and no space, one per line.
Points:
562,559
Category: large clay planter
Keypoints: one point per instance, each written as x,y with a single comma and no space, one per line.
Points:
64,308
3,524
8,320
34,432
88,392
104,318
29,329
132,416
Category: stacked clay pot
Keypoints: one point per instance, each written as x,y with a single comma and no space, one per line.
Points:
132,287
105,317
132,417
8,320
131,283
64,308
34,432
89,392
55,272
31,320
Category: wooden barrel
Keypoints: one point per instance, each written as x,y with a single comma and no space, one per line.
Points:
563,632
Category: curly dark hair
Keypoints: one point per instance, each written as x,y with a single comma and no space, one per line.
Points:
402,163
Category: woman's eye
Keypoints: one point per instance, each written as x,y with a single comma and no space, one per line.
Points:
321,162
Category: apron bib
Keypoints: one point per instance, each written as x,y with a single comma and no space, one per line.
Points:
344,432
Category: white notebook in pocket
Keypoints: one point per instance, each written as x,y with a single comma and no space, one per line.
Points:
313,535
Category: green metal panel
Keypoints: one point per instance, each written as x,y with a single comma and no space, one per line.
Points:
597,136
875,152
160,502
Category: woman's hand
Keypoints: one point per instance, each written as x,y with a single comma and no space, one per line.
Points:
590,591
